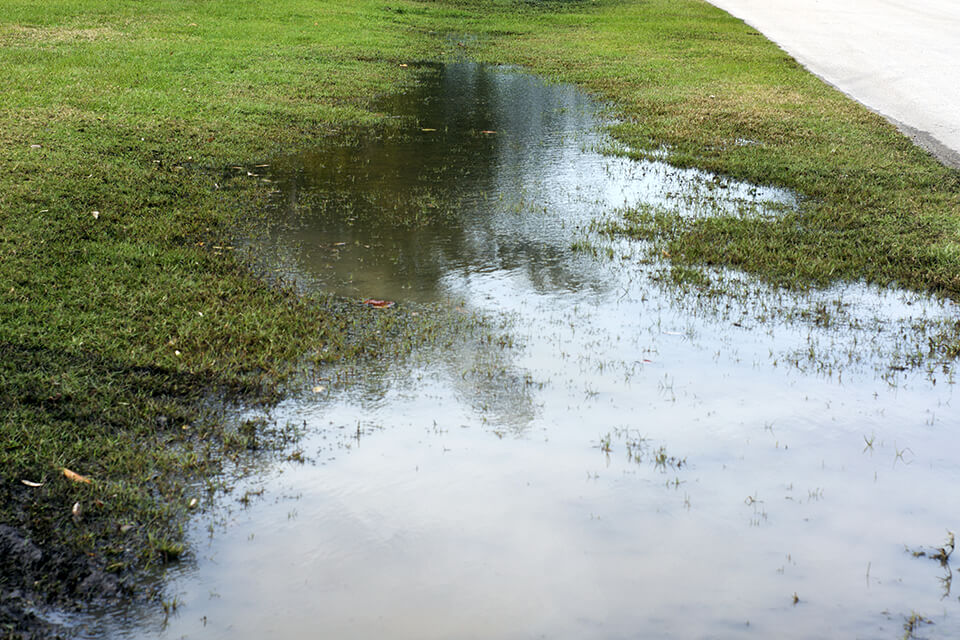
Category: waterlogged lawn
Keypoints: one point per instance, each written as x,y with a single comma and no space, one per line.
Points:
130,324
700,88
618,424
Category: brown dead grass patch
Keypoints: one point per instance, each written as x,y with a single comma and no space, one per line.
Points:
25,35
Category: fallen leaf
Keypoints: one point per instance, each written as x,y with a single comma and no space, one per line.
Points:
319,389
76,511
379,304
95,214
193,503
488,132
32,484
76,477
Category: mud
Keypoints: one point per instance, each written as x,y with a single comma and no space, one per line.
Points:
33,580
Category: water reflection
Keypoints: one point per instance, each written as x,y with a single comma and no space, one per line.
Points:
495,172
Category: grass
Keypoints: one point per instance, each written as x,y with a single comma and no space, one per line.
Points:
691,83
128,326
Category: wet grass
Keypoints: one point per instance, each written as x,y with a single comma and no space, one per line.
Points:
698,88
640,450
845,329
129,327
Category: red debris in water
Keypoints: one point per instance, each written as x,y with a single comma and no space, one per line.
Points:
379,304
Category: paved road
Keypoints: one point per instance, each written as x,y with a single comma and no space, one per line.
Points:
900,58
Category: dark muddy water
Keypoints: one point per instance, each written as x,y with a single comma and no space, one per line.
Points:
629,460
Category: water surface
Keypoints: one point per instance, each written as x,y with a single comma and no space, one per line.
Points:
627,460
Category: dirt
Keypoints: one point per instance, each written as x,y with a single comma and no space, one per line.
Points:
34,579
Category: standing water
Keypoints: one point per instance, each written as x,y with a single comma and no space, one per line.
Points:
626,458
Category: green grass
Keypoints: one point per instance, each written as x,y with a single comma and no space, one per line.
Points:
123,333
705,90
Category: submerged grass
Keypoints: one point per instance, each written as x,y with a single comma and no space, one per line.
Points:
127,323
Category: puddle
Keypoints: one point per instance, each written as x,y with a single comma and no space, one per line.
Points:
499,170
623,461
